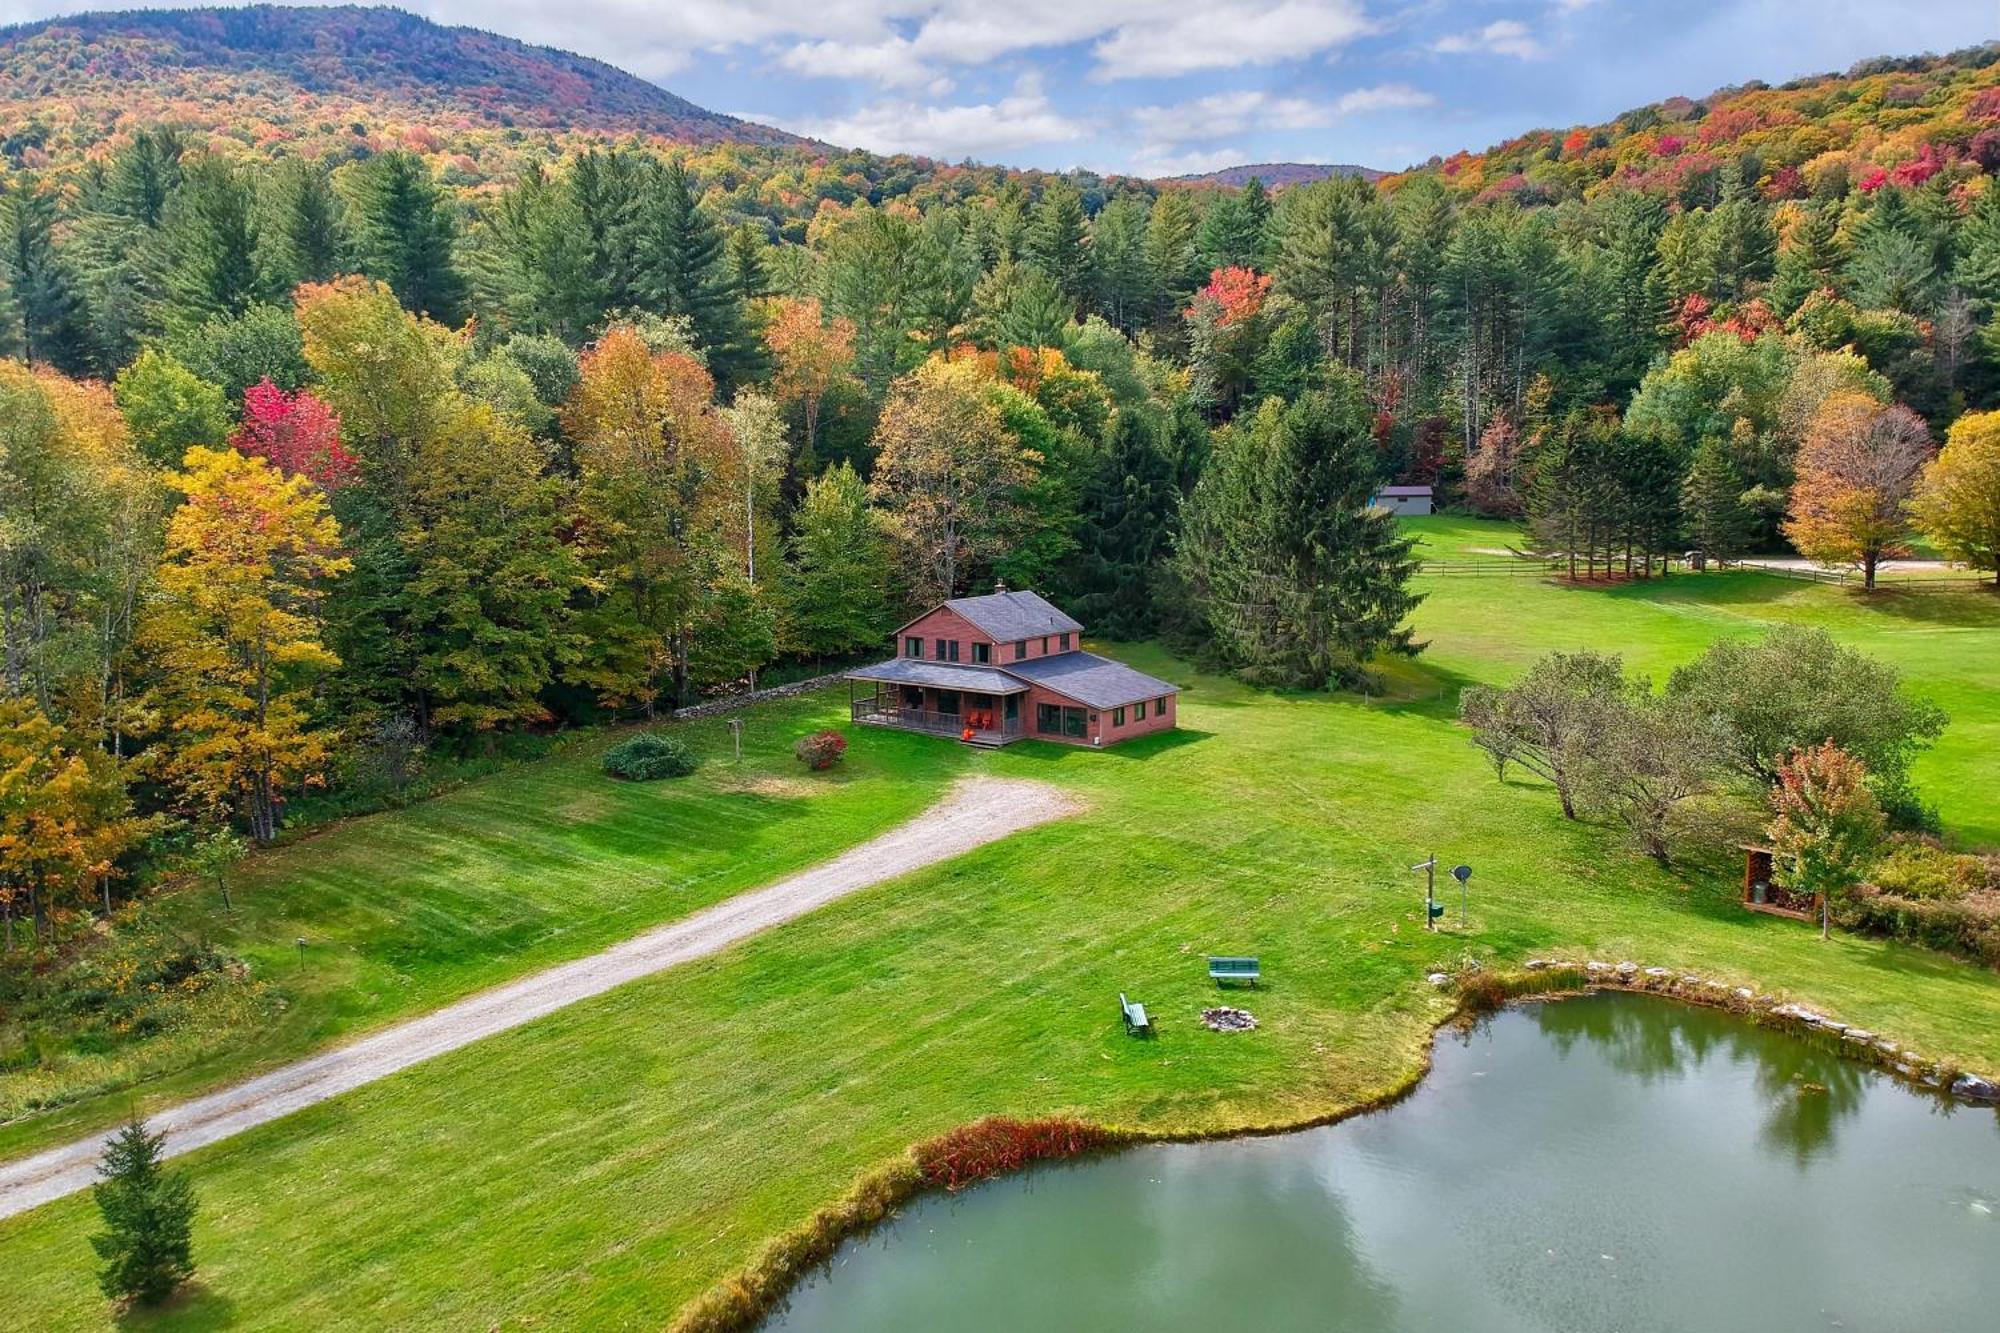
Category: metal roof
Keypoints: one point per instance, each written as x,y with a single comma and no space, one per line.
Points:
1014,615
1090,679
940,676
1402,490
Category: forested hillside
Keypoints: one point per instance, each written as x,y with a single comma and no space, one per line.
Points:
320,80
317,466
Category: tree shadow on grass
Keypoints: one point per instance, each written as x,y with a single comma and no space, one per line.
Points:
1139,747
192,1308
1955,606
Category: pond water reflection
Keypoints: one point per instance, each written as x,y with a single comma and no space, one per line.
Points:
1616,1162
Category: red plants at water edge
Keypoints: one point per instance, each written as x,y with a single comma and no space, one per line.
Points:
985,1148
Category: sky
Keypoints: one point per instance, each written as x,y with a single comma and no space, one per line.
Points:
1165,87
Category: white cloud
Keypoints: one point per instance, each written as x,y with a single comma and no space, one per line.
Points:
1227,36
1225,115
1156,161
1503,37
1024,120
890,64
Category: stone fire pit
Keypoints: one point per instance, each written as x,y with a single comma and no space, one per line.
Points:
1225,1019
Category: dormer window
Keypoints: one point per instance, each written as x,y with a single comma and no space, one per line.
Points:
913,646
982,653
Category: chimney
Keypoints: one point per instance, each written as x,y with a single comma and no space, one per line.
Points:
999,585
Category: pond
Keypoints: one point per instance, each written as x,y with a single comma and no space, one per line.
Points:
1616,1162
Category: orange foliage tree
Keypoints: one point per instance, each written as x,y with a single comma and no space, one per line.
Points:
814,357
1856,469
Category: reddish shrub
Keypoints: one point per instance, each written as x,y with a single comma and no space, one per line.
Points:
985,1148
822,749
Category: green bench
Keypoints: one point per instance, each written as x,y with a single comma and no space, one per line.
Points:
1136,1022
1233,969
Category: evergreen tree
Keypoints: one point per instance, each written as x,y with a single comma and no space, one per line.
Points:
1813,258
1574,505
1740,239
1712,511
1232,230
1059,242
1174,267
1977,273
143,176
303,236
681,271
838,585
41,295
404,235
1894,270
748,277
1299,580
1124,290
147,1244
1635,293
208,234
1129,505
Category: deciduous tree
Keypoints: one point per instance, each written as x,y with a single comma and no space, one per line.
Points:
1957,503
1858,465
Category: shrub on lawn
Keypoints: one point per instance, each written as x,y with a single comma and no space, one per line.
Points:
971,1153
821,750
647,756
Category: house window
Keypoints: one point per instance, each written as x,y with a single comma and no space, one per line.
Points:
913,646
1139,711
1159,708
1020,649
1062,642
949,650
1045,645
1073,723
982,652
947,701
1117,717
1048,719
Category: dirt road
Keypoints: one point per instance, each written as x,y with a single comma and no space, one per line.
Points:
977,811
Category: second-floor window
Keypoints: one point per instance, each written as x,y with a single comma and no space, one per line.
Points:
913,646
982,652
948,650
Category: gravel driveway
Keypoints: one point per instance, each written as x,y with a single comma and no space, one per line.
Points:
977,811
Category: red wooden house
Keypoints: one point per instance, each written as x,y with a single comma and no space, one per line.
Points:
1000,668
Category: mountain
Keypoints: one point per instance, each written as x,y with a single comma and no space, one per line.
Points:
1276,174
310,77
1894,120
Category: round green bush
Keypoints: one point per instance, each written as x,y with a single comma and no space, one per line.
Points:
647,756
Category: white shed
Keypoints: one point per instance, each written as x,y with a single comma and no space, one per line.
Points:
1402,499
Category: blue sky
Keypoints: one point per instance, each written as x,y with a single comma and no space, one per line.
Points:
1159,87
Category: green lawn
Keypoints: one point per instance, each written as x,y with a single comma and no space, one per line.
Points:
546,862
604,1165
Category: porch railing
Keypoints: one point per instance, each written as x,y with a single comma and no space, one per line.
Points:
887,713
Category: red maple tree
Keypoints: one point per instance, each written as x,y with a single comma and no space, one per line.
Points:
295,431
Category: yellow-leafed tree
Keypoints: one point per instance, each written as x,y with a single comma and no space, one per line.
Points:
236,635
1957,503
1856,469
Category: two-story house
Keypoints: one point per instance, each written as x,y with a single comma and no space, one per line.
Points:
1003,667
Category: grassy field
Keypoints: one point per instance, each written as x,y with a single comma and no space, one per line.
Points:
404,912
606,1164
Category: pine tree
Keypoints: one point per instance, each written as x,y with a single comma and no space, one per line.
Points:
147,1244
1978,269
748,276
1059,242
1813,258
682,271
1173,266
208,232
1740,238
144,176
1636,294
1298,579
41,291
303,235
1893,270
1713,515
1124,282
1129,505
404,235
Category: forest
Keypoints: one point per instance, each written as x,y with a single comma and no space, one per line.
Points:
314,468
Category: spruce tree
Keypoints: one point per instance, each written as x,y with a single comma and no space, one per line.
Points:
303,235
1059,242
1813,258
208,232
1172,263
1124,283
40,288
1713,515
1298,579
404,234
1128,509
147,1241
746,259
681,271
1977,272
143,176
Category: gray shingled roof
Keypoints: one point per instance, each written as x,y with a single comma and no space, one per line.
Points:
940,676
1090,679
1014,615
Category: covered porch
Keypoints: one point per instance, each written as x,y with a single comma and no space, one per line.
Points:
980,706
